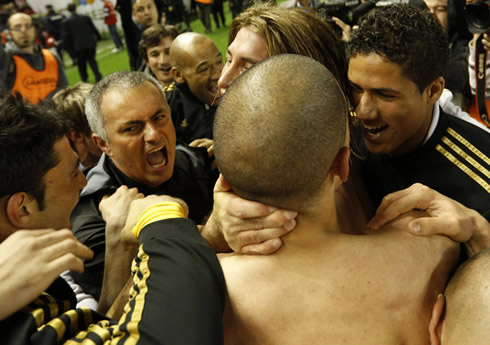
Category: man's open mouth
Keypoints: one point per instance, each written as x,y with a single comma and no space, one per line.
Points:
373,130
215,90
157,157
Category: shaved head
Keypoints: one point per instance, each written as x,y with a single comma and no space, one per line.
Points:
184,47
196,61
275,143
467,316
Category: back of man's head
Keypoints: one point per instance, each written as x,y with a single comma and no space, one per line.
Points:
72,7
275,143
27,137
294,31
116,81
467,314
406,35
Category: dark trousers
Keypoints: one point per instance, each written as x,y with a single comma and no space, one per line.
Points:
218,12
84,56
115,36
204,11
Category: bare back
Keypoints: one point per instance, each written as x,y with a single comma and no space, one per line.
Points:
353,289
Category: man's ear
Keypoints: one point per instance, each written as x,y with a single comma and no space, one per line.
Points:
436,320
102,144
434,90
340,165
177,75
20,210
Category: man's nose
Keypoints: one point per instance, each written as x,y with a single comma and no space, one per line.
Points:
151,133
366,107
228,75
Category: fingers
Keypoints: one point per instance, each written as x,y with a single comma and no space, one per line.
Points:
242,208
267,247
486,42
115,208
63,242
340,23
416,196
252,232
197,142
455,226
204,142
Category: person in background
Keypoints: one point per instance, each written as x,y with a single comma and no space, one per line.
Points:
35,73
204,11
154,47
81,35
54,25
110,19
450,14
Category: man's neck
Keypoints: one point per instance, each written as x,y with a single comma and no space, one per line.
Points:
28,50
311,228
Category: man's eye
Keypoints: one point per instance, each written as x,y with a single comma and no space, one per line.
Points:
387,97
129,129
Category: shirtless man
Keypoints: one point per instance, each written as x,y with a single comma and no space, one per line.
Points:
322,286
461,315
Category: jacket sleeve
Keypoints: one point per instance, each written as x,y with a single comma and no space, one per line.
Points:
179,289
88,226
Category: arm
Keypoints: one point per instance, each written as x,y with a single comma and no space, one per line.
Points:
118,255
245,226
31,260
178,282
445,216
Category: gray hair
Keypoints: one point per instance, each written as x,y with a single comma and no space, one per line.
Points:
120,81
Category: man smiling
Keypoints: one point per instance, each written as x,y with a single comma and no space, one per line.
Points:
132,125
154,47
397,60
196,67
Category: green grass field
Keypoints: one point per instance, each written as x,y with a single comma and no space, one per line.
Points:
112,62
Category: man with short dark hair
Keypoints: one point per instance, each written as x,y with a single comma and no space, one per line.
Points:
154,48
196,67
396,80
24,67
